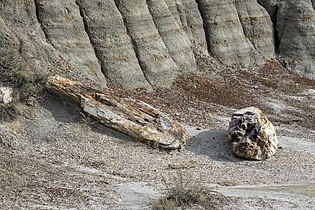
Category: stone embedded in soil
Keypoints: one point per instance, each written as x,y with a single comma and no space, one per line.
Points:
252,135
125,114
6,95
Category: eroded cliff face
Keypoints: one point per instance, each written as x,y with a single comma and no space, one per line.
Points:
147,43
296,25
294,30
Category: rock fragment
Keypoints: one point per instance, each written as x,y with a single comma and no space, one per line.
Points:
6,95
252,135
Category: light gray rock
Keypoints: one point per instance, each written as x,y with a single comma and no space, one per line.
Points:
28,42
6,95
64,30
193,24
153,55
257,27
173,35
270,5
188,17
233,30
10,58
113,45
26,47
296,34
252,135
136,195
148,43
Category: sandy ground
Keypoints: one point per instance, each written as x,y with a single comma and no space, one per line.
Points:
53,157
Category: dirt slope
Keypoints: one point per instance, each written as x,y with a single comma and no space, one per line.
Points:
53,157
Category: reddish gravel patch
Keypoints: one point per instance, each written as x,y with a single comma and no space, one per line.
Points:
193,95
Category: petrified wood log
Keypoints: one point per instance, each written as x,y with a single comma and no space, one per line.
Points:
252,135
128,115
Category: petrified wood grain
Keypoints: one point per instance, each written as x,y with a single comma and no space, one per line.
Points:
125,114
252,135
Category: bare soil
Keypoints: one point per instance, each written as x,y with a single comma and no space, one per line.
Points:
54,157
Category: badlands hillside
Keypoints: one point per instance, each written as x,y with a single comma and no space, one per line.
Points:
198,61
147,43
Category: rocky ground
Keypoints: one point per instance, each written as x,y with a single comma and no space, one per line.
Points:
55,157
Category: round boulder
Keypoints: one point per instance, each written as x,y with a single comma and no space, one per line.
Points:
252,135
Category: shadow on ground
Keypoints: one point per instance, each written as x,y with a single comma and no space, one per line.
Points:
213,144
64,111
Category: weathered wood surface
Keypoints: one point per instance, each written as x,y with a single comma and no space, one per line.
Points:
252,135
128,115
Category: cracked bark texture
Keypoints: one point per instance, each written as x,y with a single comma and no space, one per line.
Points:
148,43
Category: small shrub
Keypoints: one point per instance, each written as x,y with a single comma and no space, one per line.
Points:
183,194
25,83
165,204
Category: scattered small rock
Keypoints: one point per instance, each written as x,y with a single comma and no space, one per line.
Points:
31,101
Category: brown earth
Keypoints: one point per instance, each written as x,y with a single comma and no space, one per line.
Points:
54,157
192,95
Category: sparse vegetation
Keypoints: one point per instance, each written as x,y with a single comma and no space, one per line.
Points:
185,194
15,72
27,83
7,113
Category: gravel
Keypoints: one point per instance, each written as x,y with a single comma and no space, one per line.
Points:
58,159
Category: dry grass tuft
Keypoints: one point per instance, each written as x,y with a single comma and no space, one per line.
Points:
186,194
